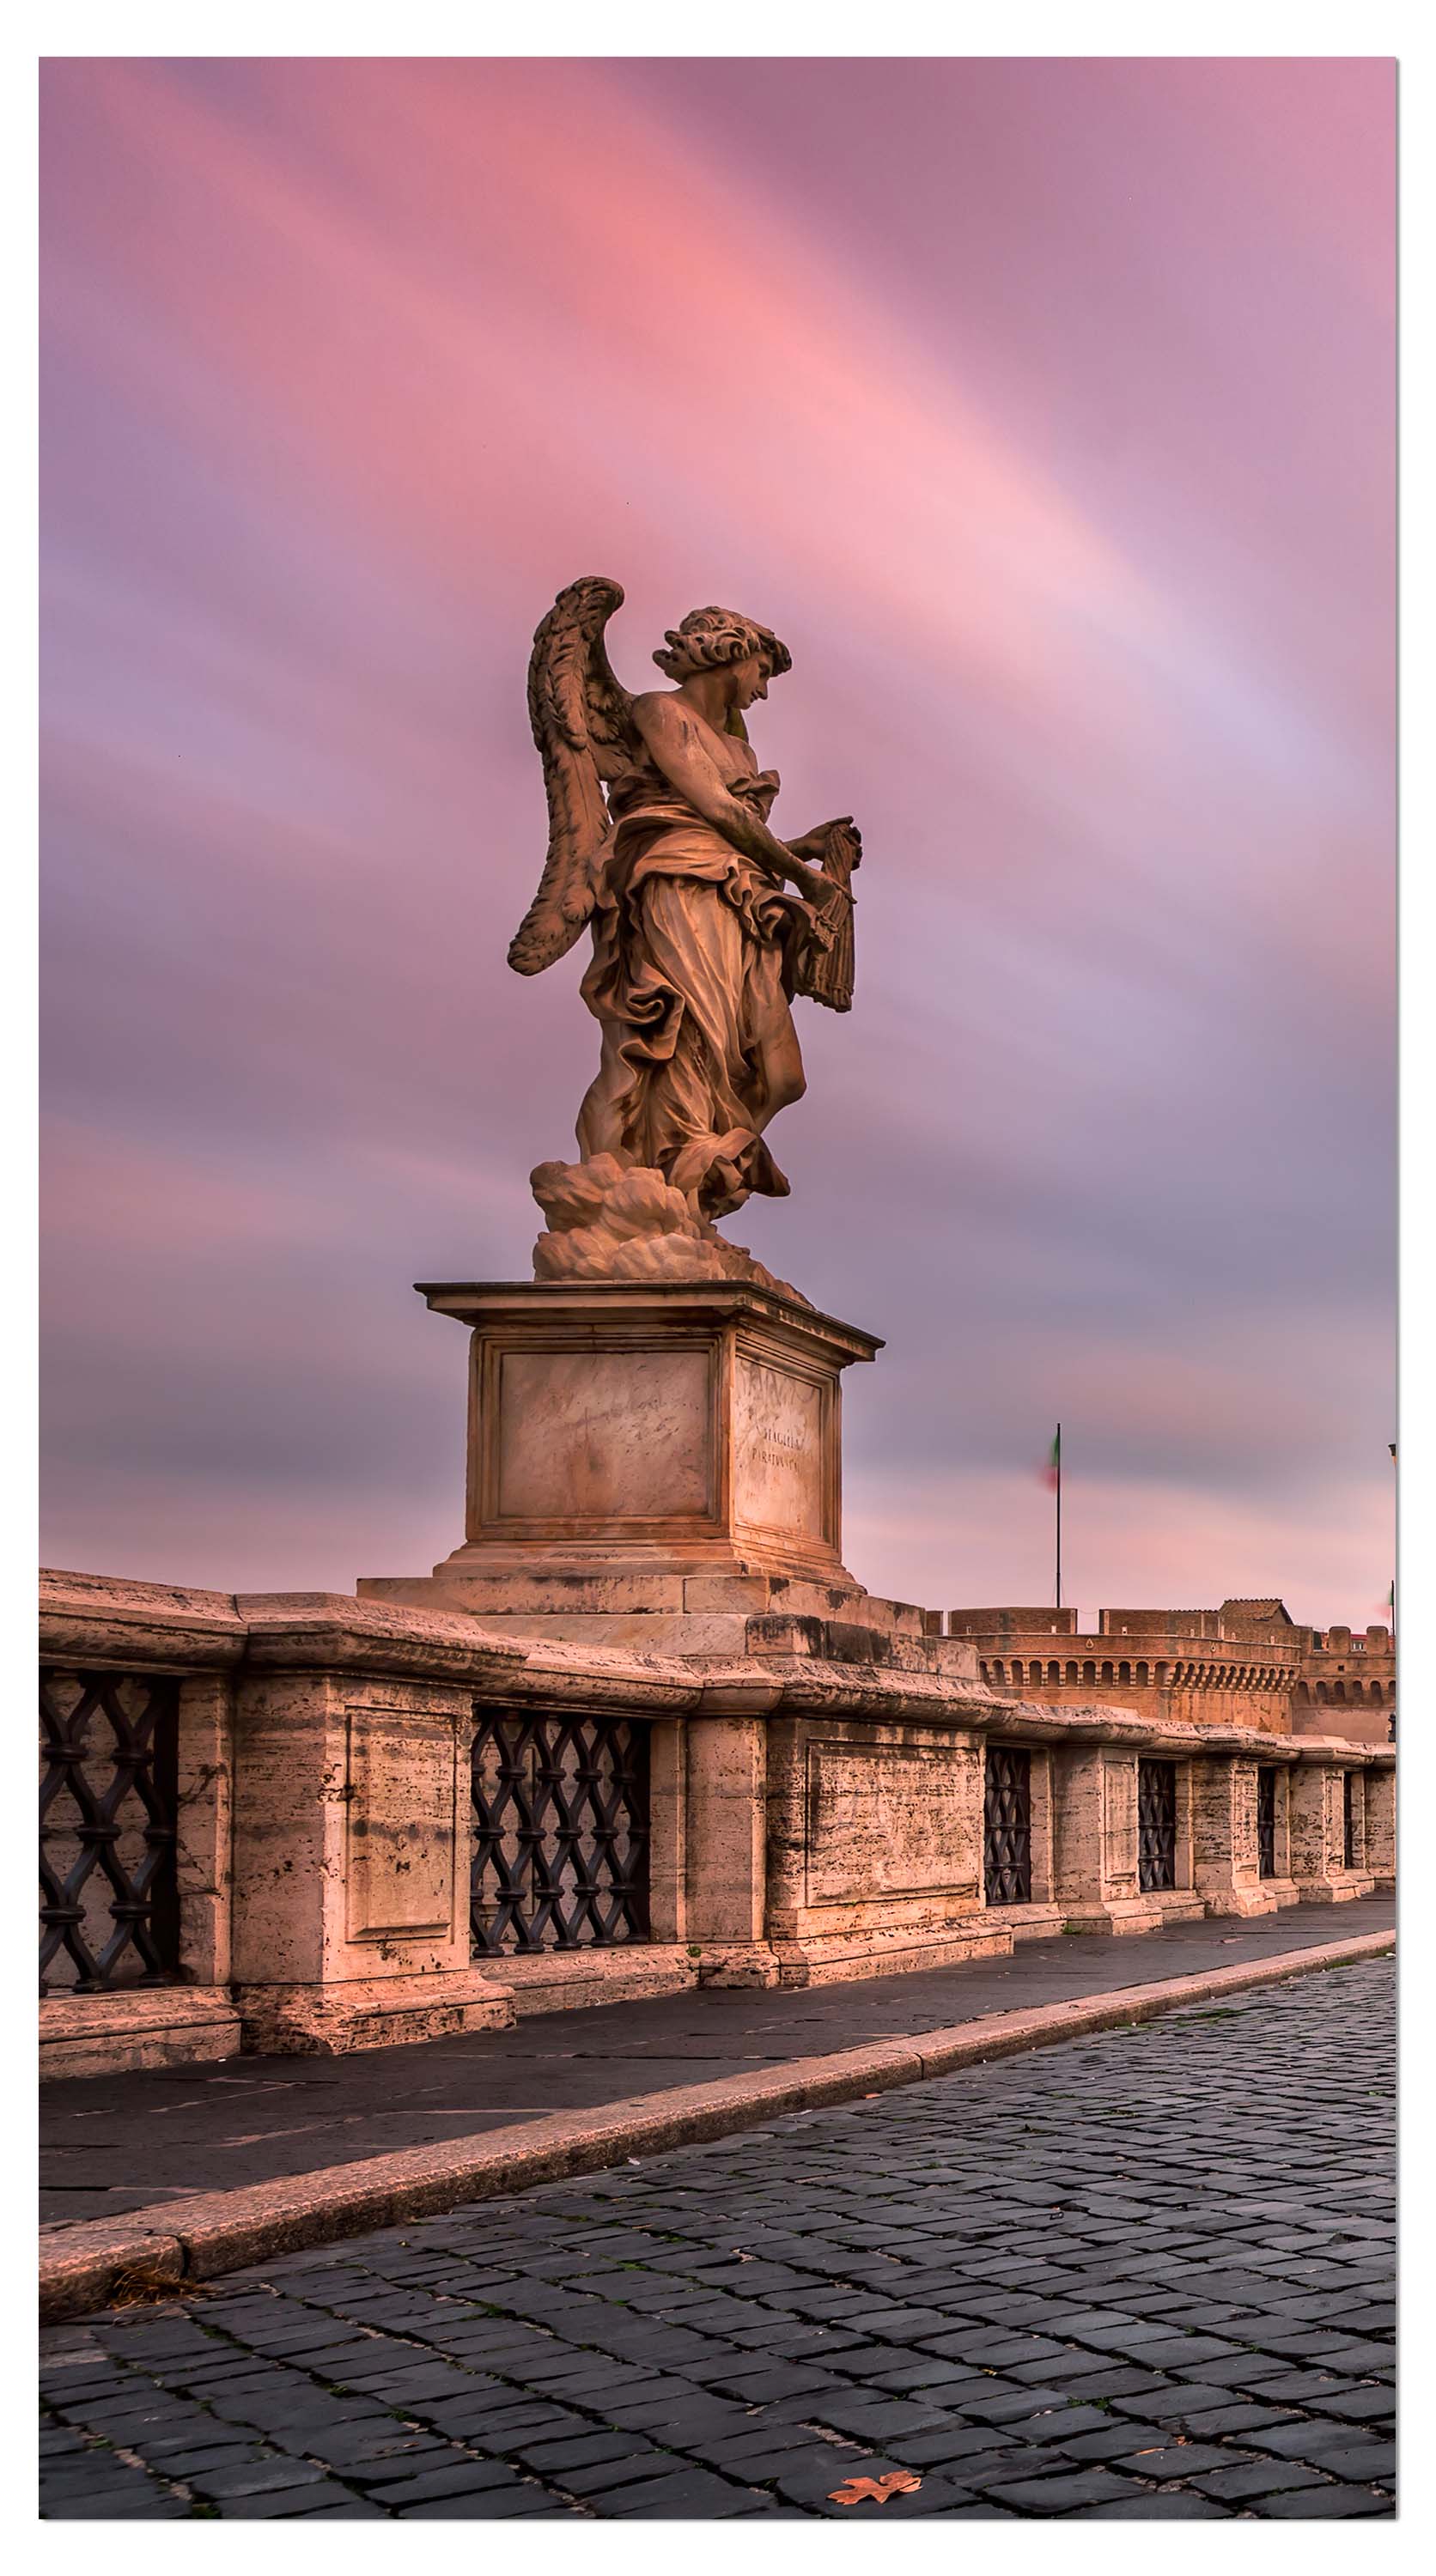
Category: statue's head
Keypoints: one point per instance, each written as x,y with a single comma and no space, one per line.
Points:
715,639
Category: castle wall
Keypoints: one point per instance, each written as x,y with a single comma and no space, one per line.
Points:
1246,1664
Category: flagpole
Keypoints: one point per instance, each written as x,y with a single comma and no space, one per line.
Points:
1059,1515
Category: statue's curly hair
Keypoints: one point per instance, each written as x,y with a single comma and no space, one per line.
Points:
710,638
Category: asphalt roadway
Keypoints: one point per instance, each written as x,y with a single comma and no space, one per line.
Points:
119,2142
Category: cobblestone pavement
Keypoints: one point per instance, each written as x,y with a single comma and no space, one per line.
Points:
1142,2275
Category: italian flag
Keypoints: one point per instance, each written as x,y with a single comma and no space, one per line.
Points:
1052,1472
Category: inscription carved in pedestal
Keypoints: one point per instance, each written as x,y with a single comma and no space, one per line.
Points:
779,1463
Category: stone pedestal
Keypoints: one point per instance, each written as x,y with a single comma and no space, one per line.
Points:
647,1452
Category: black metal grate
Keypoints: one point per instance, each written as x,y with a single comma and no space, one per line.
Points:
1350,1839
109,1901
1007,1827
561,1831
1156,1825
1266,1821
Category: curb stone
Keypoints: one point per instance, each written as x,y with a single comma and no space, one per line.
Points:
206,2233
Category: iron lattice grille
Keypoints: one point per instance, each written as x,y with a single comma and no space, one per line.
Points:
1156,1825
561,1831
1266,1822
1007,1827
1351,1857
109,1901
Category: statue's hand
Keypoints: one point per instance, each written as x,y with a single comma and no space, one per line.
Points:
813,845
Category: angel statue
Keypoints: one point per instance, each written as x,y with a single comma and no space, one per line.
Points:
705,926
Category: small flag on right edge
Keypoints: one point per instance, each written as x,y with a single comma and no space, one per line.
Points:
1052,1472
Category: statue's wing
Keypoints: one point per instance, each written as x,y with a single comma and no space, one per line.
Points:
583,726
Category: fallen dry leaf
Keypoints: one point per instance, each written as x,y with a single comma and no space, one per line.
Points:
143,2285
860,2490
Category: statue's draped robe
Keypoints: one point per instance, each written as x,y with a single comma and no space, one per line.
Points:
688,983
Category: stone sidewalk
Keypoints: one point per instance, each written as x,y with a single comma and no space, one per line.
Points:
1145,2275
110,2144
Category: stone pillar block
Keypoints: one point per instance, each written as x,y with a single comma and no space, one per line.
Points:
725,1829
1381,1826
1226,1865
1044,1857
1318,1835
1120,1878
668,1829
1314,1809
1078,1839
351,1852
1096,1843
1287,1889
1184,1870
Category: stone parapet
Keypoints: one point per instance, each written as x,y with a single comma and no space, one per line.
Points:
815,1805
106,1619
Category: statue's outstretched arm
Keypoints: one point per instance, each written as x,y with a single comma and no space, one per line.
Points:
676,745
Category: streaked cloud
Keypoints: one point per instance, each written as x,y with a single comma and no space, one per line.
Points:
1046,408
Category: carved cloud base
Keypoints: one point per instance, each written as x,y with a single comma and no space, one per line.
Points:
611,1218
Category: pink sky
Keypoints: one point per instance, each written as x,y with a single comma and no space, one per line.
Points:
1046,409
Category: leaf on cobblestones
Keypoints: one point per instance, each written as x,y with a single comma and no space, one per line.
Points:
145,2285
860,2490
